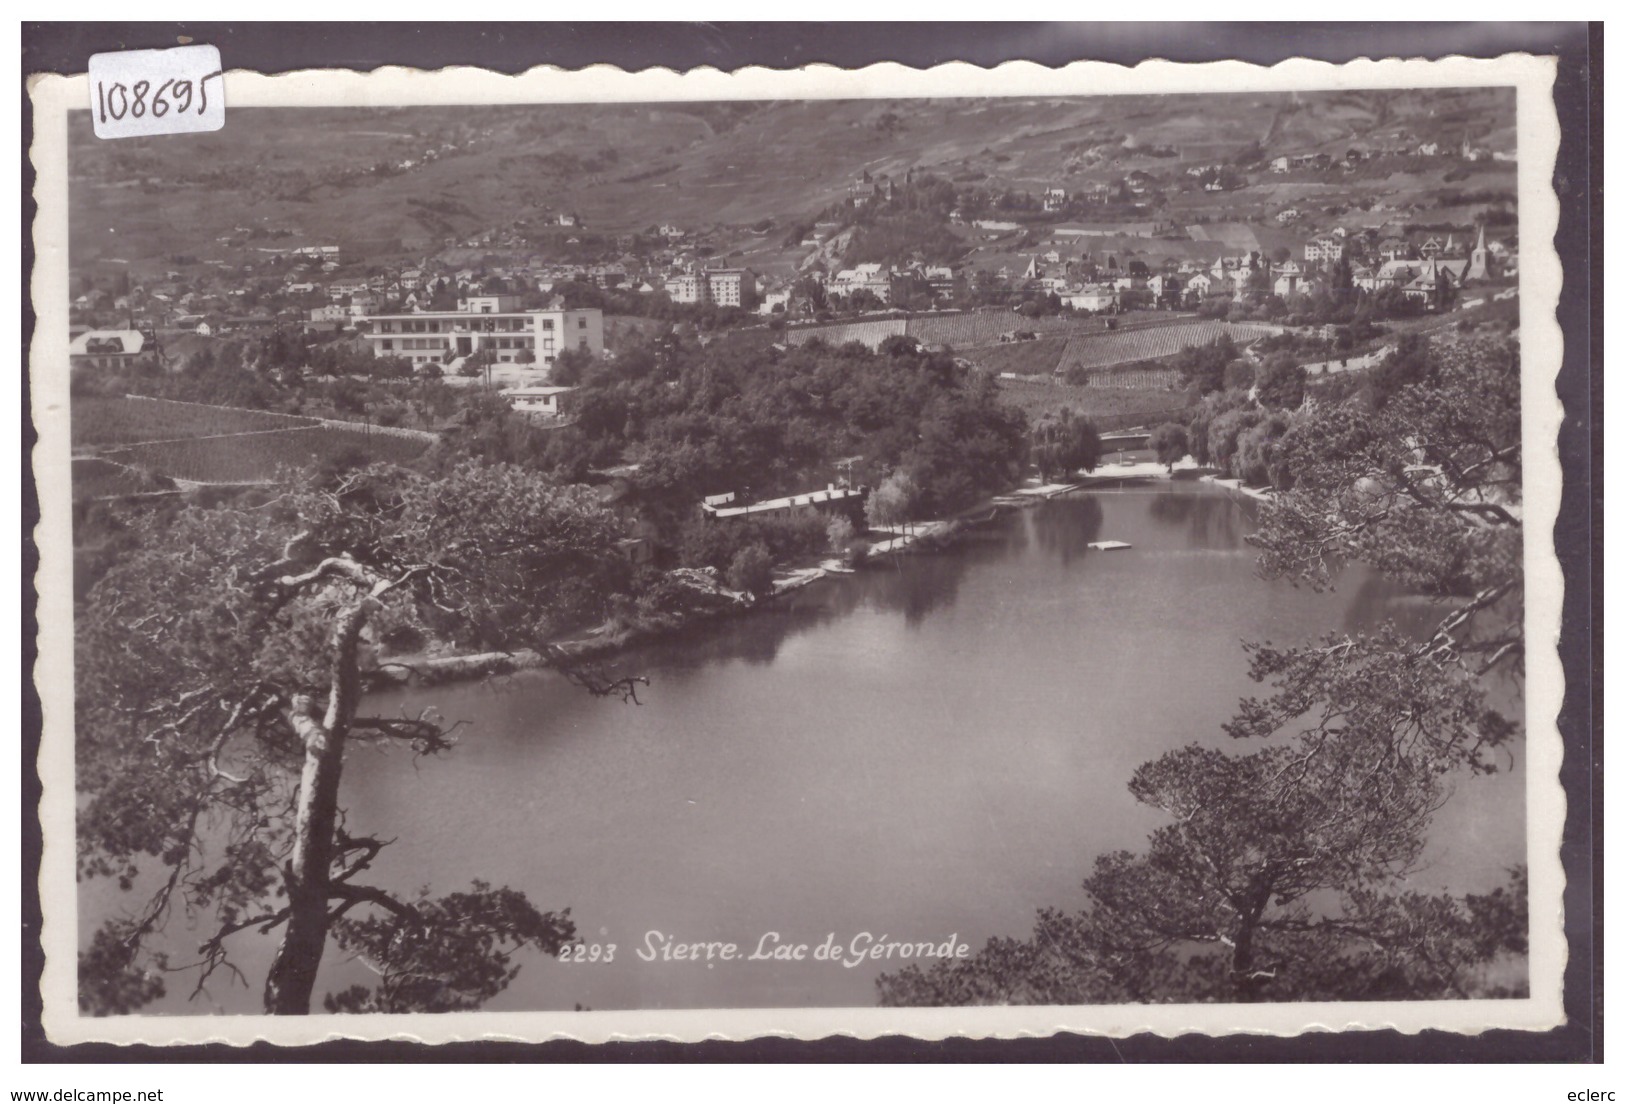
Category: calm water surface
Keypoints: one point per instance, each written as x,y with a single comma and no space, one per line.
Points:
929,749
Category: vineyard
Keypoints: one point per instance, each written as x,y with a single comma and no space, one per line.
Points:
870,333
1021,358
1164,379
974,329
131,444
265,456
102,421
94,477
1151,343
1110,408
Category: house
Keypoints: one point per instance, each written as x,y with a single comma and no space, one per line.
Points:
333,312
112,349
873,278
941,279
551,402
1394,249
862,189
776,302
1430,286
1054,199
1097,297
1395,273
1201,283
1162,287
1288,279
1281,165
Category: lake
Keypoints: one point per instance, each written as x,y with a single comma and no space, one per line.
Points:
932,748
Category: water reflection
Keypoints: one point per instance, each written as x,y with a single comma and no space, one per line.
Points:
933,745
914,586
1065,528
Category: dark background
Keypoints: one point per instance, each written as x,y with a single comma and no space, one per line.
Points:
506,47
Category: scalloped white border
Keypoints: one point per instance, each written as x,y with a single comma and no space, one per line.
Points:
1537,125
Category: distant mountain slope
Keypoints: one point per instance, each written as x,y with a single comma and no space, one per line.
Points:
458,171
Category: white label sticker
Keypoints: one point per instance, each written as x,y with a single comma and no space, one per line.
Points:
157,91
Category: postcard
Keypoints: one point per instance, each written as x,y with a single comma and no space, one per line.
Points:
951,552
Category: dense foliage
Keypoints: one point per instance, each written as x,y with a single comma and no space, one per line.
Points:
1280,873
761,421
220,667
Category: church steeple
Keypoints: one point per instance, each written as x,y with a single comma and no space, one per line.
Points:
1478,268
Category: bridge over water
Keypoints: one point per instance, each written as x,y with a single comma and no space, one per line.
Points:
1125,440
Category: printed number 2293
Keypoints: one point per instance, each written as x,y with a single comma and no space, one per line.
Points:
588,952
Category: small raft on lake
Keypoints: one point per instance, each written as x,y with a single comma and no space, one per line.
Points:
1109,546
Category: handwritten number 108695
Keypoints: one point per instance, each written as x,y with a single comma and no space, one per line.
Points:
116,101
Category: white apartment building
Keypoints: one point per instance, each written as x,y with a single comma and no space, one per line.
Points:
491,323
726,287
1323,250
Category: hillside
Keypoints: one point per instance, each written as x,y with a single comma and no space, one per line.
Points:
394,182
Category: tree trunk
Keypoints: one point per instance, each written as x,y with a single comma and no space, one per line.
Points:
308,874
1249,983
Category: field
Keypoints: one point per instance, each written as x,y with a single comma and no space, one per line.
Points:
870,333
1022,358
1110,408
94,477
1151,343
1157,379
262,457
100,422
118,441
974,329
979,328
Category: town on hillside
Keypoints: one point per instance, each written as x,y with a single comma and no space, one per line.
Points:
374,299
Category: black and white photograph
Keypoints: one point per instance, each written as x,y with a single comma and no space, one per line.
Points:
981,553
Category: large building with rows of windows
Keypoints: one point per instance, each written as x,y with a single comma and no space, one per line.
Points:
486,323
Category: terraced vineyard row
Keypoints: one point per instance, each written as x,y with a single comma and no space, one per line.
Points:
94,477
1021,358
1150,343
972,329
131,419
263,457
982,328
1110,408
1161,379
870,333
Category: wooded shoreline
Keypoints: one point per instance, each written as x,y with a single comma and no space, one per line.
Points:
603,643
